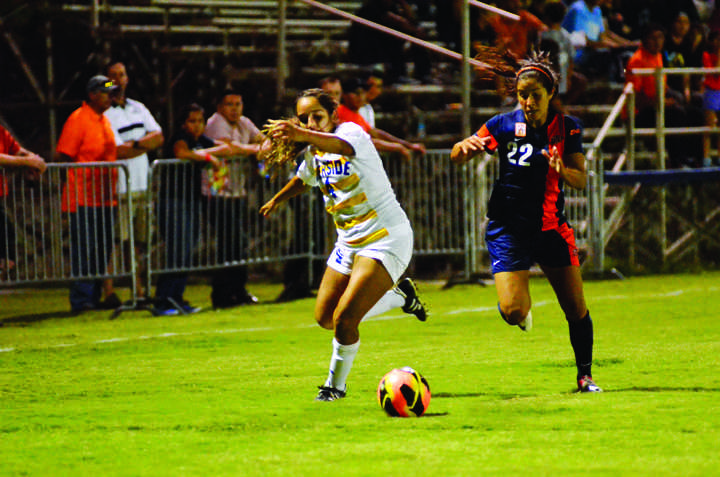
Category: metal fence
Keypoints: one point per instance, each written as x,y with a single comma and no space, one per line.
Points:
62,225
196,228
194,224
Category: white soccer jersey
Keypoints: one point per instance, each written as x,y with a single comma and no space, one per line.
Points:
357,190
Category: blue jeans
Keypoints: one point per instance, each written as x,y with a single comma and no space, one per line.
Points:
179,224
91,241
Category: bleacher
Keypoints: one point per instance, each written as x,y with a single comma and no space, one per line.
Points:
235,42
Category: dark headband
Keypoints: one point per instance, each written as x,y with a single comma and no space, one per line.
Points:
536,68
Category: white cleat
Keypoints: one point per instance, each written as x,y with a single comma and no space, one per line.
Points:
526,324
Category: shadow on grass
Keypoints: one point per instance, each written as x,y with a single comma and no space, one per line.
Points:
474,395
661,389
21,320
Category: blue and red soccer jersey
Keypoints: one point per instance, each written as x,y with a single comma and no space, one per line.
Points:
529,194
526,209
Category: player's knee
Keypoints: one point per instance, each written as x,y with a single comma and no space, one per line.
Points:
325,321
576,314
345,323
514,314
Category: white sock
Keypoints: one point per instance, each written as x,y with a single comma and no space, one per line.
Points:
391,299
341,363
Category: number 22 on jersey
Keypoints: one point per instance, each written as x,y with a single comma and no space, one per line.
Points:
519,154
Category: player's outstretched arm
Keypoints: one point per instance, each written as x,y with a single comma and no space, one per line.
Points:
326,142
294,187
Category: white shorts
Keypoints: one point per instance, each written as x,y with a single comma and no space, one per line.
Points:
394,251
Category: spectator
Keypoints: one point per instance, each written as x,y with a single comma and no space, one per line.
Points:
369,46
696,46
556,41
711,95
677,53
332,86
353,98
228,200
133,123
597,47
89,195
516,36
179,205
373,84
649,55
639,13
12,156
448,15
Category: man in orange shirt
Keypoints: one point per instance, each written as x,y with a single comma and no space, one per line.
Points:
89,193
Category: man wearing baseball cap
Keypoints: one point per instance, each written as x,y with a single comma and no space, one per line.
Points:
89,193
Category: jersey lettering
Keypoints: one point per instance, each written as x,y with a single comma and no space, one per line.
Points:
338,256
519,155
336,167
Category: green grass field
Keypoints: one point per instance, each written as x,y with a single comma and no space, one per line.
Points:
231,393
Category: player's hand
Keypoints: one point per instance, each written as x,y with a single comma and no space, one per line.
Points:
284,130
554,159
468,148
269,207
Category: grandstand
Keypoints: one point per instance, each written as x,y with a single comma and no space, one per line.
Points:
177,50
191,48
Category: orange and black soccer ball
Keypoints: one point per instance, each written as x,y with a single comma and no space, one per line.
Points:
404,392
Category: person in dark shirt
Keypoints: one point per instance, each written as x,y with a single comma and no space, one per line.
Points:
368,46
540,150
179,204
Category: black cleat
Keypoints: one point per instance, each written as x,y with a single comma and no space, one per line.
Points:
586,385
327,393
412,305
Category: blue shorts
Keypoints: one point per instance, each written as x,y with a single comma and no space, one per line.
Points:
512,252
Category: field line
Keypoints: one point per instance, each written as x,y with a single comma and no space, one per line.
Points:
482,309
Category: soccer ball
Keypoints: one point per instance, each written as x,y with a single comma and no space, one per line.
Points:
403,393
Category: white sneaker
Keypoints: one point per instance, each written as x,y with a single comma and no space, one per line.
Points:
526,324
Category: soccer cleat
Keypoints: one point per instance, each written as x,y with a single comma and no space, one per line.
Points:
586,385
412,305
164,311
526,324
189,309
327,393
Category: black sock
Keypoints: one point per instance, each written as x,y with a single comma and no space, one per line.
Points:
581,338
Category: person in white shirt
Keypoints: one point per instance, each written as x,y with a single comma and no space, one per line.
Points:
139,133
374,86
374,237
228,199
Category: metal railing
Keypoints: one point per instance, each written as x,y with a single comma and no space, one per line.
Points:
194,228
63,225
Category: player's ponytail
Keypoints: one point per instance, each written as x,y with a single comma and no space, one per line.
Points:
502,64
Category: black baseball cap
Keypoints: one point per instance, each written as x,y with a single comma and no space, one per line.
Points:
351,85
101,83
